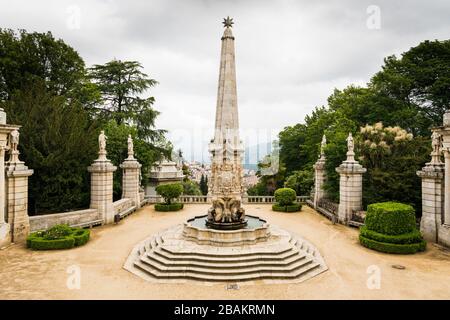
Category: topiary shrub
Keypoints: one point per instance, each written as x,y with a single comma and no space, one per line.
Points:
390,218
391,227
285,196
169,191
386,247
168,207
285,200
290,208
58,237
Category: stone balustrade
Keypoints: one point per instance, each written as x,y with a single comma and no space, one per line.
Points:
79,218
205,199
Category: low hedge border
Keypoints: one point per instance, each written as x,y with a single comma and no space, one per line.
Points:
289,208
79,237
408,248
406,238
168,207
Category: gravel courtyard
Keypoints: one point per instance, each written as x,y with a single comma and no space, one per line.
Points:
29,274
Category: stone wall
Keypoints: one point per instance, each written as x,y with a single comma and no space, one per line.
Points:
83,218
123,205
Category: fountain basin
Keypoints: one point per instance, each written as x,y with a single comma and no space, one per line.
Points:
255,230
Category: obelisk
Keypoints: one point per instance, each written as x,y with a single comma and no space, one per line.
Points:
226,149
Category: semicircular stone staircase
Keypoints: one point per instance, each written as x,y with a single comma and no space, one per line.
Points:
168,256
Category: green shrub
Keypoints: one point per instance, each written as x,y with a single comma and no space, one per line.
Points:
392,247
170,191
285,196
81,236
406,238
168,207
58,237
293,207
53,244
289,208
390,218
57,232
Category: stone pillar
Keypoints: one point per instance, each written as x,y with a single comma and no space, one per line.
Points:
131,177
17,199
5,237
102,184
350,185
447,187
319,175
432,176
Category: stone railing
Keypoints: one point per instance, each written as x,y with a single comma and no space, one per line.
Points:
206,199
328,208
79,218
123,207
182,199
357,218
165,175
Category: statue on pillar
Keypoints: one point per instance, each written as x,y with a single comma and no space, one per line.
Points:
350,148
322,146
130,147
436,143
350,144
102,144
13,145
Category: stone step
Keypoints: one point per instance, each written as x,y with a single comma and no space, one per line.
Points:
217,271
225,252
223,259
237,263
188,274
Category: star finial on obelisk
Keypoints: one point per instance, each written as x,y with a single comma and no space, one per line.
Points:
228,22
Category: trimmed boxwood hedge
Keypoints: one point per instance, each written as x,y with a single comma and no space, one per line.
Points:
285,196
391,227
289,208
390,218
392,247
168,207
58,237
411,237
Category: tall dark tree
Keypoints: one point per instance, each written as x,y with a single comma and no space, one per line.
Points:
29,57
121,84
204,185
58,141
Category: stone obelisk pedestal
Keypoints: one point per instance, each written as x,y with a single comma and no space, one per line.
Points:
350,187
102,187
130,180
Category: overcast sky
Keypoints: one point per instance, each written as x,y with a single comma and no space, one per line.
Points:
290,55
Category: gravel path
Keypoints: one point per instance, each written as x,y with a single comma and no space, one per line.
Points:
26,274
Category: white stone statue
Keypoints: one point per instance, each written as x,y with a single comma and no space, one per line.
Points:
102,142
323,145
350,144
13,146
130,147
436,142
14,139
